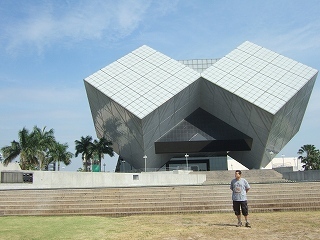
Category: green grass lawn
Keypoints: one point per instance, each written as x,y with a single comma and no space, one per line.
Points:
279,225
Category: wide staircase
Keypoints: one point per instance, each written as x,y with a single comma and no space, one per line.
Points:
207,198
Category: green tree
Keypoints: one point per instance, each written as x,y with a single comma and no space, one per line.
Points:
102,147
25,147
58,153
84,146
33,148
44,141
310,156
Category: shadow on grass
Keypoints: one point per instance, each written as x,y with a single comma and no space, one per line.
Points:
224,224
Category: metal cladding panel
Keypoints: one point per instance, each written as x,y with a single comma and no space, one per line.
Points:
260,118
169,114
249,158
285,124
100,106
288,120
181,100
240,113
202,132
207,91
268,81
150,122
150,137
166,110
114,122
195,101
93,100
143,80
145,94
260,76
166,125
221,105
260,135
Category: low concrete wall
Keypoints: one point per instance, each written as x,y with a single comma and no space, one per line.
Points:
10,167
46,179
309,175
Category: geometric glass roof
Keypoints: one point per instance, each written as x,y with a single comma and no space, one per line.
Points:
260,76
143,80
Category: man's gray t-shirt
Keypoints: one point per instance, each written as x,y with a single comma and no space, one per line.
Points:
238,188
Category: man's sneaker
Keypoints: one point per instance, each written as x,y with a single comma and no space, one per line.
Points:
248,225
239,224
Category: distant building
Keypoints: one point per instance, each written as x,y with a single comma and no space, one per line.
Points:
247,105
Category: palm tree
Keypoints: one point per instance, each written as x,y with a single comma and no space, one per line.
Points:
11,152
58,153
84,146
310,156
44,140
101,147
32,148
26,148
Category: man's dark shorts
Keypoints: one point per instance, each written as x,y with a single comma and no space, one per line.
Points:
243,205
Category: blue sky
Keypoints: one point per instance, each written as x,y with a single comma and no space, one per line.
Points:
48,47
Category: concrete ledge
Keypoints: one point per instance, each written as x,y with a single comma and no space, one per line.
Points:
47,180
309,175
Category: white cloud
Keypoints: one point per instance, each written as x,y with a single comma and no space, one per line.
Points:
47,94
303,38
47,24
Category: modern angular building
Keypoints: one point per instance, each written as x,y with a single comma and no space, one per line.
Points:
248,105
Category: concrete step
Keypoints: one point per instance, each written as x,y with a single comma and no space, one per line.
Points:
213,204
158,197
157,200
164,209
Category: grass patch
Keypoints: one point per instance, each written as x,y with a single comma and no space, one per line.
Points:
278,225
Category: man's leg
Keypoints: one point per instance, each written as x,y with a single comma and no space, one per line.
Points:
245,212
236,209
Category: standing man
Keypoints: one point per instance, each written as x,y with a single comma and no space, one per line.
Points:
240,187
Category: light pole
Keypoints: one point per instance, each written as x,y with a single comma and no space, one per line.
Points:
282,160
124,165
145,163
187,160
271,154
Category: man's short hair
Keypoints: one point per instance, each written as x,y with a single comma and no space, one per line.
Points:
238,171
